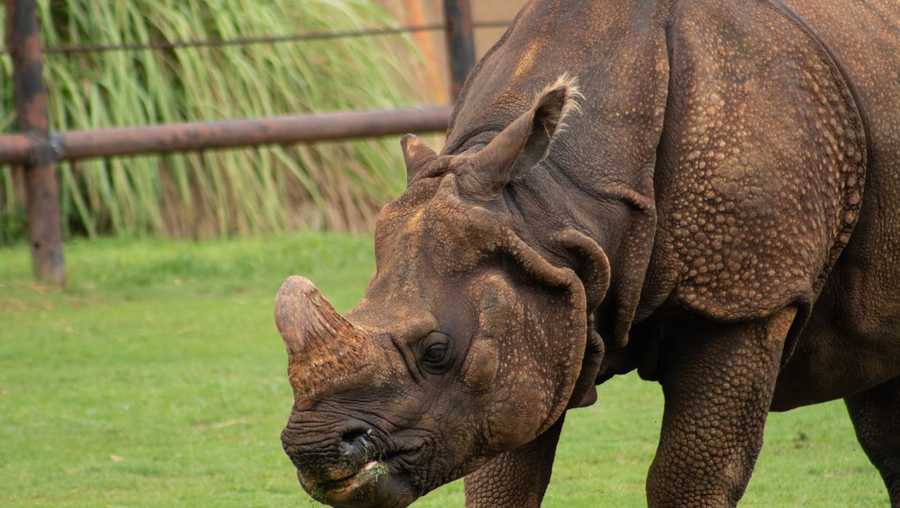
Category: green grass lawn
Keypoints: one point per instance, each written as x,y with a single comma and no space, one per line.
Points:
157,379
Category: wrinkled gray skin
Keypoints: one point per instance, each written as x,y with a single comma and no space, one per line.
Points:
721,213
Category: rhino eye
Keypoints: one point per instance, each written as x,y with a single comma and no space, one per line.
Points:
436,357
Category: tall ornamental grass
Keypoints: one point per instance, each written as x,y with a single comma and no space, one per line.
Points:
216,193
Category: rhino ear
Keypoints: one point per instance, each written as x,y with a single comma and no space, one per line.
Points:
523,143
416,155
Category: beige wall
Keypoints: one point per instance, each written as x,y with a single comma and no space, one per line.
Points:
433,75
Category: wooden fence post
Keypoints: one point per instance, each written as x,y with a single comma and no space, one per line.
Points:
41,188
460,42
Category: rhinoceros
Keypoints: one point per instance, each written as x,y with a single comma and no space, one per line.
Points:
706,192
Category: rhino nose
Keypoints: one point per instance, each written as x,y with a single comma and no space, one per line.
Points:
323,458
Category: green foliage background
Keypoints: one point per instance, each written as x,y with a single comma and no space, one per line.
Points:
323,186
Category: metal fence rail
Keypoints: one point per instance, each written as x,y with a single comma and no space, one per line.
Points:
38,150
189,136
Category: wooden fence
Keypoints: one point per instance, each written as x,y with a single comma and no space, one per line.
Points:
38,149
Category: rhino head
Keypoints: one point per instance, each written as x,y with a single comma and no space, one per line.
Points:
469,341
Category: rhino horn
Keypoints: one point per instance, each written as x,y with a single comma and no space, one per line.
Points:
304,317
326,353
522,144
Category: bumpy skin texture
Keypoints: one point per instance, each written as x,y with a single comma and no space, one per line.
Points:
711,437
705,191
853,332
516,478
761,174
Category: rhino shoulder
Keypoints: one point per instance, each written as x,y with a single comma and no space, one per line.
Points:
762,162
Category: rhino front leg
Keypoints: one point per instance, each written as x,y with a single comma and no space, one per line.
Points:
876,418
515,479
718,381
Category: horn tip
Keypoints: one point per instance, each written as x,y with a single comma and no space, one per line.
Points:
296,284
293,292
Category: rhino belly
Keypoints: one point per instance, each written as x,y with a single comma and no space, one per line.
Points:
851,343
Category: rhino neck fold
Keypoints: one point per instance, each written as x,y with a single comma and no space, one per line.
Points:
553,197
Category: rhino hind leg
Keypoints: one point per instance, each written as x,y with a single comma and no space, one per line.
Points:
718,380
515,479
876,418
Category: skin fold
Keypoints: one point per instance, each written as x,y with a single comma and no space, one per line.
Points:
707,192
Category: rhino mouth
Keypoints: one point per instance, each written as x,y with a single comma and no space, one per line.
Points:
377,483
341,490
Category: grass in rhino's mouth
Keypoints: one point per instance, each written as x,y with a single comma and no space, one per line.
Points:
369,473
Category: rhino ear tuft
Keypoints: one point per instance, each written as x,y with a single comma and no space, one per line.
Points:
524,142
551,106
416,155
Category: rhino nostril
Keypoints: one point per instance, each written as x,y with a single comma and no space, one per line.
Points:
356,441
354,434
